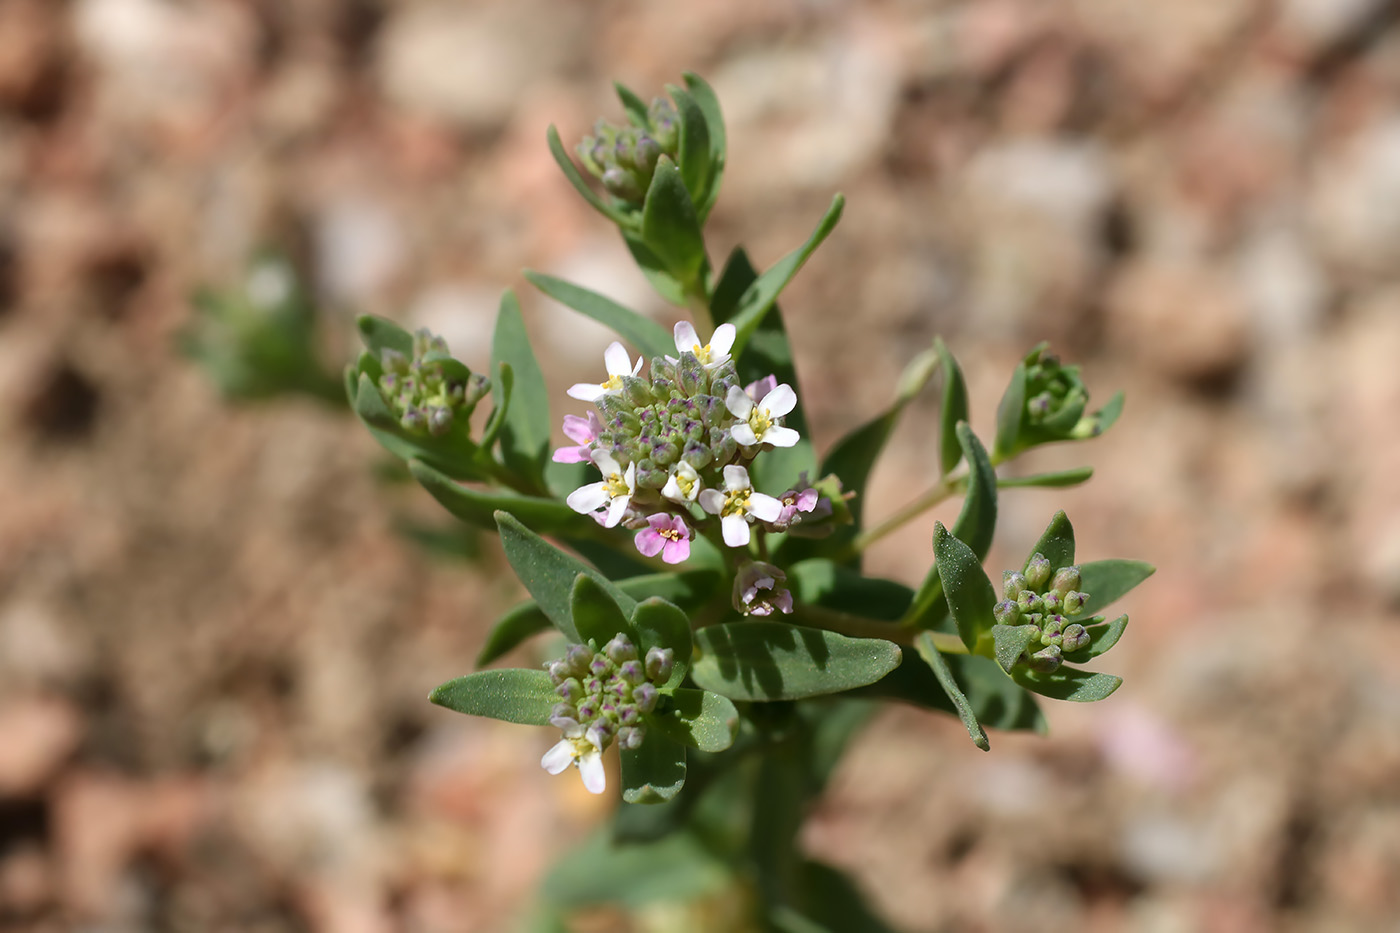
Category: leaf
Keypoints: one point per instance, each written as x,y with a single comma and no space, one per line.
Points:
776,661
834,898
660,624
1056,543
513,628
708,103
478,507
821,582
670,227
694,153
548,573
511,695
1105,417
381,334
698,718
643,333
501,391
525,435
453,453
1068,683
1104,636
1107,581
636,107
965,585
654,269
1057,480
678,867
1011,642
934,659
996,701
571,172
653,772
596,614
1009,415
759,297
953,410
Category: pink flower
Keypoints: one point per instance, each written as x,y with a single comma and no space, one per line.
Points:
760,588
582,431
761,387
666,535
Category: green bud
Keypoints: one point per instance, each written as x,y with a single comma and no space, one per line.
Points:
1029,602
623,185
1046,660
691,374
1074,637
697,455
1037,571
1012,583
1007,612
1066,579
1074,602
637,390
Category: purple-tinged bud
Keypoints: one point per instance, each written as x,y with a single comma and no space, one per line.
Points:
593,686
559,671
1007,612
563,710
627,714
659,662
1074,602
638,391
600,666
645,153
600,733
477,388
617,688
1046,660
578,658
1074,637
761,588
1052,627
696,454
632,672
1051,601
608,709
645,697
570,690
621,183
1037,572
630,736
1029,602
1065,580
690,374
414,420
622,152
439,421
393,361
620,649
588,709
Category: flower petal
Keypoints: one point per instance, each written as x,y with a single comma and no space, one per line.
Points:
559,757
579,430
712,501
616,509
736,530
743,434
649,543
780,401
676,552
586,391
779,436
616,358
736,478
738,403
722,340
588,498
590,768
765,508
606,463
572,455
686,337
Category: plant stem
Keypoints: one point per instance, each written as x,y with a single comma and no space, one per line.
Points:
943,489
843,623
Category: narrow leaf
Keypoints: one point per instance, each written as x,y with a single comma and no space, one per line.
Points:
1056,543
1057,480
1009,414
518,624
666,285
571,172
821,582
525,434
673,869
642,332
1011,642
954,408
776,661
479,507
596,614
694,154
670,227
698,718
1069,683
705,98
965,585
511,695
1107,581
1104,636
653,772
381,334
934,659
636,107
1105,417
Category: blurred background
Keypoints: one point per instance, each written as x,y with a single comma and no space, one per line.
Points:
216,643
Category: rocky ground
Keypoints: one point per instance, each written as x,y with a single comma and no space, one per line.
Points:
215,648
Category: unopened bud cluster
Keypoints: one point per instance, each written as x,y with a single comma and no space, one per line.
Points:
1047,603
624,158
426,399
604,694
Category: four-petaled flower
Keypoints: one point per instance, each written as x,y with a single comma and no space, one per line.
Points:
581,748
683,485
614,492
582,431
738,505
759,588
758,424
667,535
711,355
619,364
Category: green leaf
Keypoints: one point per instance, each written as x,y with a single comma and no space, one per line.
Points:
653,772
371,407
676,868
996,701
834,898
694,153
596,614
1056,544
1105,417
548,573
1057,480
821,582
934,659
660,624
1107,581
479,507
636,107
1068,683
1011,642
453,454
502,390
643,333
1009,415
654,269
511,695
776,661
965,585
954,408
698,718
759,297
380,334
571,172
1104,636
525,435
670,227
708,103
513,628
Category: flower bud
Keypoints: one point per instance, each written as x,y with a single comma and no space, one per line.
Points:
645,154
571,690
588,709
578,657
637,390
566,723
1074,602
477,388
1066,579
1029,603
690,374
630,736
439,421
1074,637
1012,583
1051,602
632,672
622,184
1007,612
645,697
1046,660
1051,627
659,663
600,665
628,714
413,420
600,733
697,455
620,649
1037,572
760,588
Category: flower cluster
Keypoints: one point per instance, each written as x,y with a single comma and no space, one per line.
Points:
1027,601
674,448
429,391
603,697
624,158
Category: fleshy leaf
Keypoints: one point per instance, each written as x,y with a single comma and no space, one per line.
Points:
1057,480
698,718
525,435
965,585
776,661
635,107
1107,581
653,772
953,409
670,227
996,701
1056,543
666,284
934,659
708,103
596,614
1009,415
511,695
821,582
660,624
1068,683
478,507
694,154
642,332
1103,636
1011,642
381,334
571,172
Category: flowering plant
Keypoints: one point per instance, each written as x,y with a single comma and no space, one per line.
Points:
705,567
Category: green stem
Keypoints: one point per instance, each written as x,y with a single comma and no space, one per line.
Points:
941,490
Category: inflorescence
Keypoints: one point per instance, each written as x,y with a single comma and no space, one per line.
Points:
624,158
429,391
1027,601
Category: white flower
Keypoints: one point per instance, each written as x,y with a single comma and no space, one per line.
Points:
758,424
683,485
614,492
578,747
713,354
619,364
738,505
